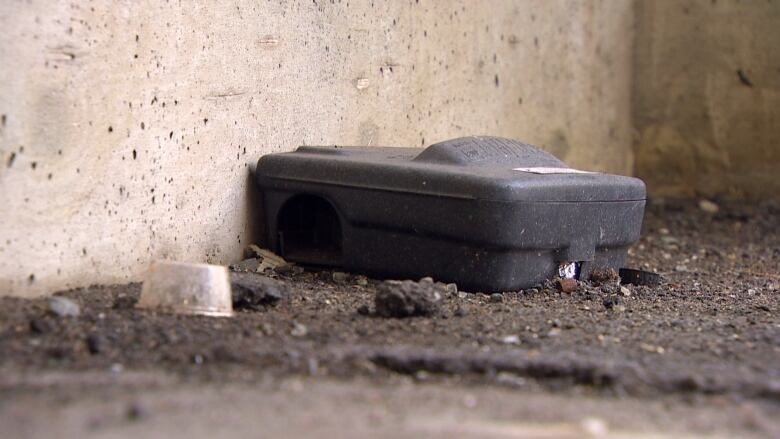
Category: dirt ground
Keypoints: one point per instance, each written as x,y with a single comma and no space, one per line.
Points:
697,355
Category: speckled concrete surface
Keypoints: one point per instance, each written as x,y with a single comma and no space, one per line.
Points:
128,128
706,97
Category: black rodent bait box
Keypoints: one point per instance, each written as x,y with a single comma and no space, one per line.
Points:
486,213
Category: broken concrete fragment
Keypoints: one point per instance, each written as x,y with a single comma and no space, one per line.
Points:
408,298
63,307
254,291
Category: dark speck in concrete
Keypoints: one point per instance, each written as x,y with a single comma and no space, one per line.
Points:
743,78
11,159
135,154
110,129
34,165
495,79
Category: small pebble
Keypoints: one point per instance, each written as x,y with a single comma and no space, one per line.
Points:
610,302
708,206
511,339
567,285
408,298
63,307
247,265
286,269
340,277
299,330
496,297
625,291
364,310
510,379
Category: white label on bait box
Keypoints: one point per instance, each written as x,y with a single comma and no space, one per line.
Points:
543,170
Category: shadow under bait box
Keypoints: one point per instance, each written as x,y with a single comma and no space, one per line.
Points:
487,213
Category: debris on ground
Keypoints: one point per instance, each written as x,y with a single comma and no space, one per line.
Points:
708,334
268,259
340,277
409,298
247,265
125,301
567,285
39,326
289,269
708,206
299,330
603,275
253,291
63,307
611,288
510,339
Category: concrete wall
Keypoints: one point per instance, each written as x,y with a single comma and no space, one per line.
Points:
706,97
128,126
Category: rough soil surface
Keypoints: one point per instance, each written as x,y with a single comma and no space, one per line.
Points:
708,334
